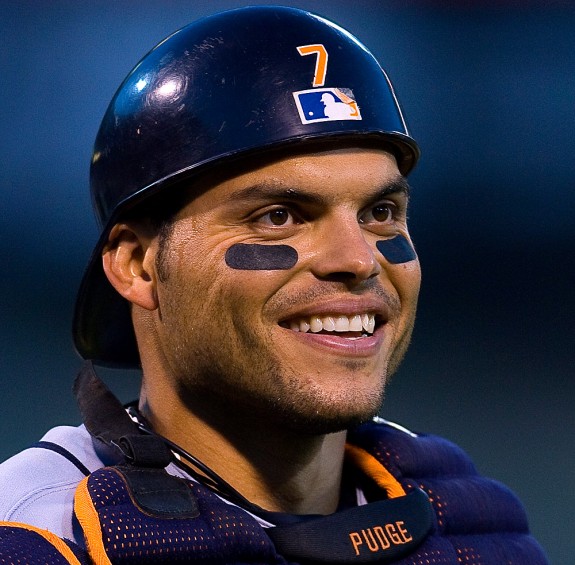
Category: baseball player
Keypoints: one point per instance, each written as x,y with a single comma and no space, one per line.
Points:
255,262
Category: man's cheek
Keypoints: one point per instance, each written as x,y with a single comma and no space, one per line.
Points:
397,250
254,257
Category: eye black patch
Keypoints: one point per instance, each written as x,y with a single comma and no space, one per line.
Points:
396,250
253,257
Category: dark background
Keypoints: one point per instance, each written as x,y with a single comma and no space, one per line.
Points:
488,89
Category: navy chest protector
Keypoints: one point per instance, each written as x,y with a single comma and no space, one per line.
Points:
433,509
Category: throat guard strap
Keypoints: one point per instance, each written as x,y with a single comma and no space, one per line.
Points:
158,494
112,430
379,532
145,457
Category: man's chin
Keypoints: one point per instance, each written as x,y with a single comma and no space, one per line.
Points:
320,410
329,422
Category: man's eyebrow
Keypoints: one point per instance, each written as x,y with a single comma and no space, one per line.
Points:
398,185
265,190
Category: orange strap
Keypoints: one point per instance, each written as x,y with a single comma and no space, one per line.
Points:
375,470
90,522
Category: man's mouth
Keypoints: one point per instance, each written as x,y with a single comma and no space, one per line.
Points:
356,325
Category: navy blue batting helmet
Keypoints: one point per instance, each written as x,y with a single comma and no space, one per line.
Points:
223,88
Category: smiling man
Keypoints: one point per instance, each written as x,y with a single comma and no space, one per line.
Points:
255,262
300,322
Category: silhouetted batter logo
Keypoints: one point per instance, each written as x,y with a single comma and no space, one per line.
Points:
326,104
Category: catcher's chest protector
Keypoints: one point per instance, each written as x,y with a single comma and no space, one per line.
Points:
133,515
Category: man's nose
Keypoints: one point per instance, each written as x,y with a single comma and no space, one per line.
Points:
344,253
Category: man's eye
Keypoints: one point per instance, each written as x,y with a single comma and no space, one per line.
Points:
278,217
379,214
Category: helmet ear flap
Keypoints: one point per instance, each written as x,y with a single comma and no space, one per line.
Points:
223,89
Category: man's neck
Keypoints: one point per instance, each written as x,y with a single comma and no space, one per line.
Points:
275,469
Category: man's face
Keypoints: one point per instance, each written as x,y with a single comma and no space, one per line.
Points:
278,298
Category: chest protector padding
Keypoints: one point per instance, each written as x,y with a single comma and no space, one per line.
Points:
476,521
21,543
116,529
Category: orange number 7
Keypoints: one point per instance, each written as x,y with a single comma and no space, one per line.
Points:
320,63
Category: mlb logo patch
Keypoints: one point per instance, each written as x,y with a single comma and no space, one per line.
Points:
326,105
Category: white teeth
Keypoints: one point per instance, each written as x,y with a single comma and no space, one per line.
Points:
328,324
355,324
365,321
341,324
368,323
316,324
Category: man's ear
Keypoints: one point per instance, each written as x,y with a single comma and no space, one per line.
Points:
128,263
